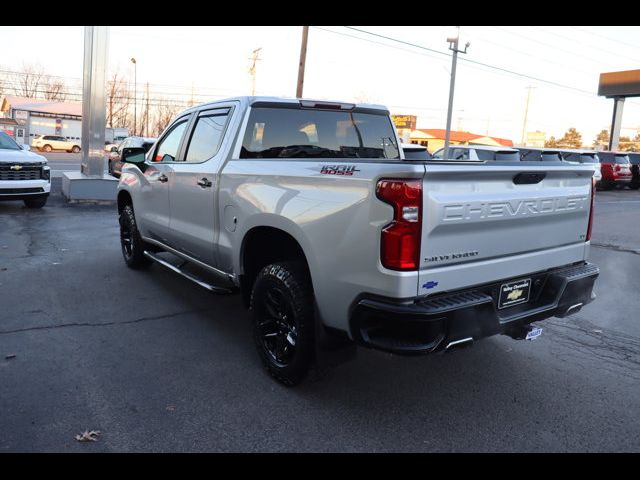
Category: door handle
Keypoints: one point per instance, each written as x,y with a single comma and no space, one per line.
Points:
204,182
163,178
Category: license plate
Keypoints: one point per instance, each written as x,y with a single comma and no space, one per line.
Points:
514,293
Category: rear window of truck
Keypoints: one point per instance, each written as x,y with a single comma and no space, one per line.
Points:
312,133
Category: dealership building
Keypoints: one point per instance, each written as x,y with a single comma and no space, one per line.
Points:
25,118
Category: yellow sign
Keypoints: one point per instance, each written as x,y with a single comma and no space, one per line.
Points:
405,121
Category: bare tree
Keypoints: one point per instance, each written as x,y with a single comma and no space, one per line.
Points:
28,81
117,101
165,111
54,89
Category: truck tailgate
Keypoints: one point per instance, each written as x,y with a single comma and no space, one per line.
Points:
500,221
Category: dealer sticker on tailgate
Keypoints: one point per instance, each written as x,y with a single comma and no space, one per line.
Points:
514,293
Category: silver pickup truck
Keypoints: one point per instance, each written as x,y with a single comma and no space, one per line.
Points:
310,211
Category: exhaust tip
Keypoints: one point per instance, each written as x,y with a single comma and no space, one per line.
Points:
571,310
465,342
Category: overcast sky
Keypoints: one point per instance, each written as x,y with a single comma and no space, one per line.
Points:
347,64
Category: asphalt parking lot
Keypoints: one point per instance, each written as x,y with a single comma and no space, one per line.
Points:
157,364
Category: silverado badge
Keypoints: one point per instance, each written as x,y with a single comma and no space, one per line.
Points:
16,167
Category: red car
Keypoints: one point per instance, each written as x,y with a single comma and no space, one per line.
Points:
616,170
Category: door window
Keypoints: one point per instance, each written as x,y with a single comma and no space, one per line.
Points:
167,150
207,137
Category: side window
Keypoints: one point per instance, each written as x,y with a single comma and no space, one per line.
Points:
167,149
207,137
438,155
459,154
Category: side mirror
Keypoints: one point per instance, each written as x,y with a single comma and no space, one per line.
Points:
114,149
25,147
135,155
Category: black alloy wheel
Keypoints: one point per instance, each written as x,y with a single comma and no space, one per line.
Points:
282,307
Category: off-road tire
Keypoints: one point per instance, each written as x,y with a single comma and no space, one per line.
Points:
292,283
131,242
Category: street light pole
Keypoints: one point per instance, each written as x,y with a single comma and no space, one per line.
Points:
135,100
453,46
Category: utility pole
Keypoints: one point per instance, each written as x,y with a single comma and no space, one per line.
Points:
135,103
146,115
526,112
453,46
252,69
303,61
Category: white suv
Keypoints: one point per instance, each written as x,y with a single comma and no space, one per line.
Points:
47,143
24,175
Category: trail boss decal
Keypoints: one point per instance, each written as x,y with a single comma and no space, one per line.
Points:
346,170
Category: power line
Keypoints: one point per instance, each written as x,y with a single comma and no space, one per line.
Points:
553,47
380,43
475,62
606,38
126,80
591,46
467,60
521,52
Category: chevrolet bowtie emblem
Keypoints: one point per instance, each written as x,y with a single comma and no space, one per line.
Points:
16,167
514,295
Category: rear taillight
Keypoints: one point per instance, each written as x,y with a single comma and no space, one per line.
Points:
400,242
593,198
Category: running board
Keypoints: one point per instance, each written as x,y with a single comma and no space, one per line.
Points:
188,276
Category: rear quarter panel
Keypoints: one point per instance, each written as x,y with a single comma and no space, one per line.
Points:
336,219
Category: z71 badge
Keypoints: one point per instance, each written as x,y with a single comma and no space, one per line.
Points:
346,170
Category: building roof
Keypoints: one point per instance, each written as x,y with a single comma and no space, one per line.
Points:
41,106
464,137
8,121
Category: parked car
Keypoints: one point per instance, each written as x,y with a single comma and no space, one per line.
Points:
634,158
413,151
332,239
47,143
616,170
108,146
115,155
24,175
479,152
583,156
